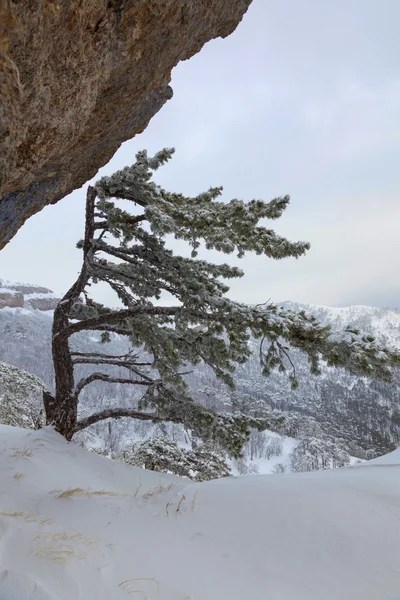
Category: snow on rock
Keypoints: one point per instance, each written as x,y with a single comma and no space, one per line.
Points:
77,525
26,295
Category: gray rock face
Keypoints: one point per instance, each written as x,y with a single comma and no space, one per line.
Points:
79,78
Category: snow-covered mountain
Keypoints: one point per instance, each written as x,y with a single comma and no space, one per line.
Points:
361,415
382,323
364,413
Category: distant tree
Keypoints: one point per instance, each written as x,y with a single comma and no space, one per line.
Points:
279,468
273,447
20,398
125,247
161,454
312,454
257,444
246,468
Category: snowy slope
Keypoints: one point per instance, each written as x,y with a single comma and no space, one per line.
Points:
382,323
76,525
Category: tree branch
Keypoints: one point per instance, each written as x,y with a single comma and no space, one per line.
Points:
118,330
82,280
128,255
129,221
100,355
103,321
111,361
286,353
108,379
124,195
116,413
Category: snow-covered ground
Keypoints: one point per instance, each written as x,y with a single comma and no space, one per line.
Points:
264,465
77,525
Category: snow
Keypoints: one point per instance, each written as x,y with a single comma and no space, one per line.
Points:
32,312
18,310
35,295
7,283
266,465
382,323
393,458
77,525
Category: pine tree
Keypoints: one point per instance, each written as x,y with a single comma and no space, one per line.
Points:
314,453
126,249
161,454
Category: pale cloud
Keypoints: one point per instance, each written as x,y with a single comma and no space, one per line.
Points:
355,121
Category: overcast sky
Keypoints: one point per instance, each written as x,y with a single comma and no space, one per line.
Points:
302,99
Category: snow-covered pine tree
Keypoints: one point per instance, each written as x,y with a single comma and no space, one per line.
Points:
317,451
312,454
20,398
164,455
125,247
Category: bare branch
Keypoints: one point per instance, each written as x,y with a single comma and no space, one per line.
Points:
100,355
128,359
142,375
110,361
108,379
286,353
116,413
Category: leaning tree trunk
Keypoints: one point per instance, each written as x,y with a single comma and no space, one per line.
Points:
64,409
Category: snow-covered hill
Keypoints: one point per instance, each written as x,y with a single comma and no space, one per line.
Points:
364,413
382,323
76,525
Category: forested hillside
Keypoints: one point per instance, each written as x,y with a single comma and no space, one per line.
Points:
328,418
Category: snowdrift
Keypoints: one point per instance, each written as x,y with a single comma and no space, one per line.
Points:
74,525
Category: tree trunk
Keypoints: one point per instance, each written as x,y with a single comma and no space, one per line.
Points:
63,412
49,406
65,408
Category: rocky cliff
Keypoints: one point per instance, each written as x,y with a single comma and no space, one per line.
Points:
78,78
22,295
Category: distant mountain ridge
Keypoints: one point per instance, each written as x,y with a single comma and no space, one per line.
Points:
363,414
382,323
